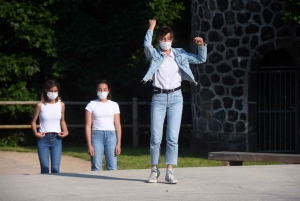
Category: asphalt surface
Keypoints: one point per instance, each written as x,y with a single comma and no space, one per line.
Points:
269,182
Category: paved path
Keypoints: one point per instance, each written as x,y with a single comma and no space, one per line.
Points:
272,182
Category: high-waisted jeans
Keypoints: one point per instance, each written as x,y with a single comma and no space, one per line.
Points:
104,142
50,144
163,104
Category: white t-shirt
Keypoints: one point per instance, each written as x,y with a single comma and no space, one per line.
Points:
103,114
49,117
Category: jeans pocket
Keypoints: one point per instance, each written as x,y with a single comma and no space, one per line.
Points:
41,139
113,132
178,93
157,95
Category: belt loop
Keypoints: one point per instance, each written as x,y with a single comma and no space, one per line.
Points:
161,91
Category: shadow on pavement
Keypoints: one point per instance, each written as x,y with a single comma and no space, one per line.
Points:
95,177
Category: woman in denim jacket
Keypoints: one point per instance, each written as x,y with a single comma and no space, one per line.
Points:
168,67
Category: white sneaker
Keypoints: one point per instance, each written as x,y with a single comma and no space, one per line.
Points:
170,177
154,175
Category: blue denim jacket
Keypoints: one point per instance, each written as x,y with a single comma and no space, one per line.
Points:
182,58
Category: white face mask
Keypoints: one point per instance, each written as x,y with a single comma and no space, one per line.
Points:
52,95
102,95
165,45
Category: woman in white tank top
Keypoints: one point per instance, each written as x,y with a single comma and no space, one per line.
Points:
103,129
51,114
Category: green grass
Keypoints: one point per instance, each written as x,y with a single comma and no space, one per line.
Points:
139,158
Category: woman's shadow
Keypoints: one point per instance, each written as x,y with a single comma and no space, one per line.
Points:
95,177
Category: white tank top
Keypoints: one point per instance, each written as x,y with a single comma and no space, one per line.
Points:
49,118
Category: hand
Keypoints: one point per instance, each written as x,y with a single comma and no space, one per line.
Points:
117,150
199,41
152,24
91,151
63,134
40,135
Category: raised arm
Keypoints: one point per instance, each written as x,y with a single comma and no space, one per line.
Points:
202,52
148,48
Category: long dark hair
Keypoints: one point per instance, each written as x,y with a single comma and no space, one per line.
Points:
48,85
108,86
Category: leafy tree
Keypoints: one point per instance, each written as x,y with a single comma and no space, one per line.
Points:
103,40
292,10
78,42
25,37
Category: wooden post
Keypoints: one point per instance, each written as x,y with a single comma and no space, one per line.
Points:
135,137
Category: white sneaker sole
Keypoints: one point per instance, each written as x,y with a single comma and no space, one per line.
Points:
172,182
152,181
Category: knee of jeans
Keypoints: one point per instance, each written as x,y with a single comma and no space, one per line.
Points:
173,139
155,138
172,143
155,143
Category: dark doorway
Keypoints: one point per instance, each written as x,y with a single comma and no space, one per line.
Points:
278,107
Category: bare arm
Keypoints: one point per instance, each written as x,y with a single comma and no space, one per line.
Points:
63,124
88,132
35,116
119,133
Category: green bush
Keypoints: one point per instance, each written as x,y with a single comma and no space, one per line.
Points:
13,140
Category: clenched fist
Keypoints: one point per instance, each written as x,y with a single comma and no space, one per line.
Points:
199,41
152,24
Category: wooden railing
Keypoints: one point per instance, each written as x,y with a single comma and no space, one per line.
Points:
134,124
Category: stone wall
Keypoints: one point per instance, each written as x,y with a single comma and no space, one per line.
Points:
239,33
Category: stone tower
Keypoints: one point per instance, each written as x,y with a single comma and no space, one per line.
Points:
239,34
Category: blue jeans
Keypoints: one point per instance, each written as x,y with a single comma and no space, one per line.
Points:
104,142
162,104
52,144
